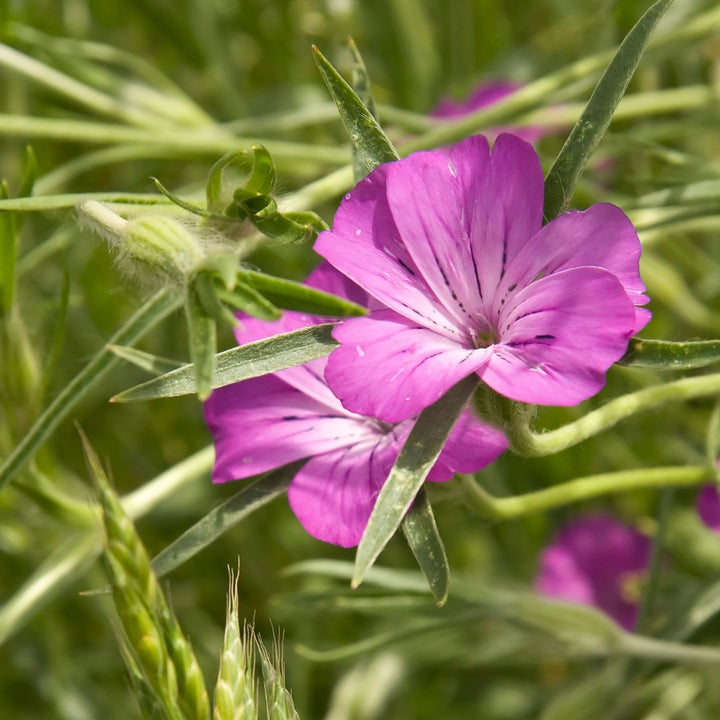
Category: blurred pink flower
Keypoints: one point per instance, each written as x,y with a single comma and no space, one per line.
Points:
485,95
708,507
266,422
465,279
596,560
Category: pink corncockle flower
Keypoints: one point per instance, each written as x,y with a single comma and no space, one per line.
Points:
465,278
266,422
596,560
708,507
485,95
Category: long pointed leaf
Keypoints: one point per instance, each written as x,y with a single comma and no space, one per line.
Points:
240,363
154,310
594,121
426,544
668,355
421,450
202,335
145,361
297,296
366,135
223,517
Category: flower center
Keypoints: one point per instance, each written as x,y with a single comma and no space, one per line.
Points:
485,339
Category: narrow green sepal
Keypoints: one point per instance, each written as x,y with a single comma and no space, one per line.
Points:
245,298
202,336
419,454
367,137
290,295
422,535
252,360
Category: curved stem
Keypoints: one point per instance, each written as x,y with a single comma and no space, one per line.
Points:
529,443
580,489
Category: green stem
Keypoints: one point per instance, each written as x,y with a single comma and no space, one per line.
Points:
531,444
580,489
74,90
664,650
154,310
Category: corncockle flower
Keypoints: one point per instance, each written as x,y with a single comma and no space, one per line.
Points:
266,422
708,507
596,560
485,95
465,278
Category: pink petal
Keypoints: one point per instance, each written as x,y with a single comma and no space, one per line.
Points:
601,236
427,198
504,203
708,507
307,378
559,336
334,493
263,423
471,446
364,245
389,368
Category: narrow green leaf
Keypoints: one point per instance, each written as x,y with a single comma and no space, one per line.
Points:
225,516
421,450
40,203
240,363
29,174
426,544
154,310
209,298
246,298
595,119
202,336
668,355
8,254
296,296
145,361
361,85
366,135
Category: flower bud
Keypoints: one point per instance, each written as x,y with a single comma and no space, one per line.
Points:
153,245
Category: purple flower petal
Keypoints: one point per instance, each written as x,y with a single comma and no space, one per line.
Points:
559,336
389,368
708,507
364,245
263,423
471,446
334,493
594,560
482,96
601,236
463,214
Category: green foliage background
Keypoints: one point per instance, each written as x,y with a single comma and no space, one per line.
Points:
248,64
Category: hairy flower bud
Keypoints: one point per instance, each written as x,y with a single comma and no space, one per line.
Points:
155,246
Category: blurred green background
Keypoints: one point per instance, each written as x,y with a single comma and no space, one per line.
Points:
248,64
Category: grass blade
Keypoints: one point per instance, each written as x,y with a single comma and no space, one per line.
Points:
240,363
590,128
225,516
151,313
421,450
426,544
